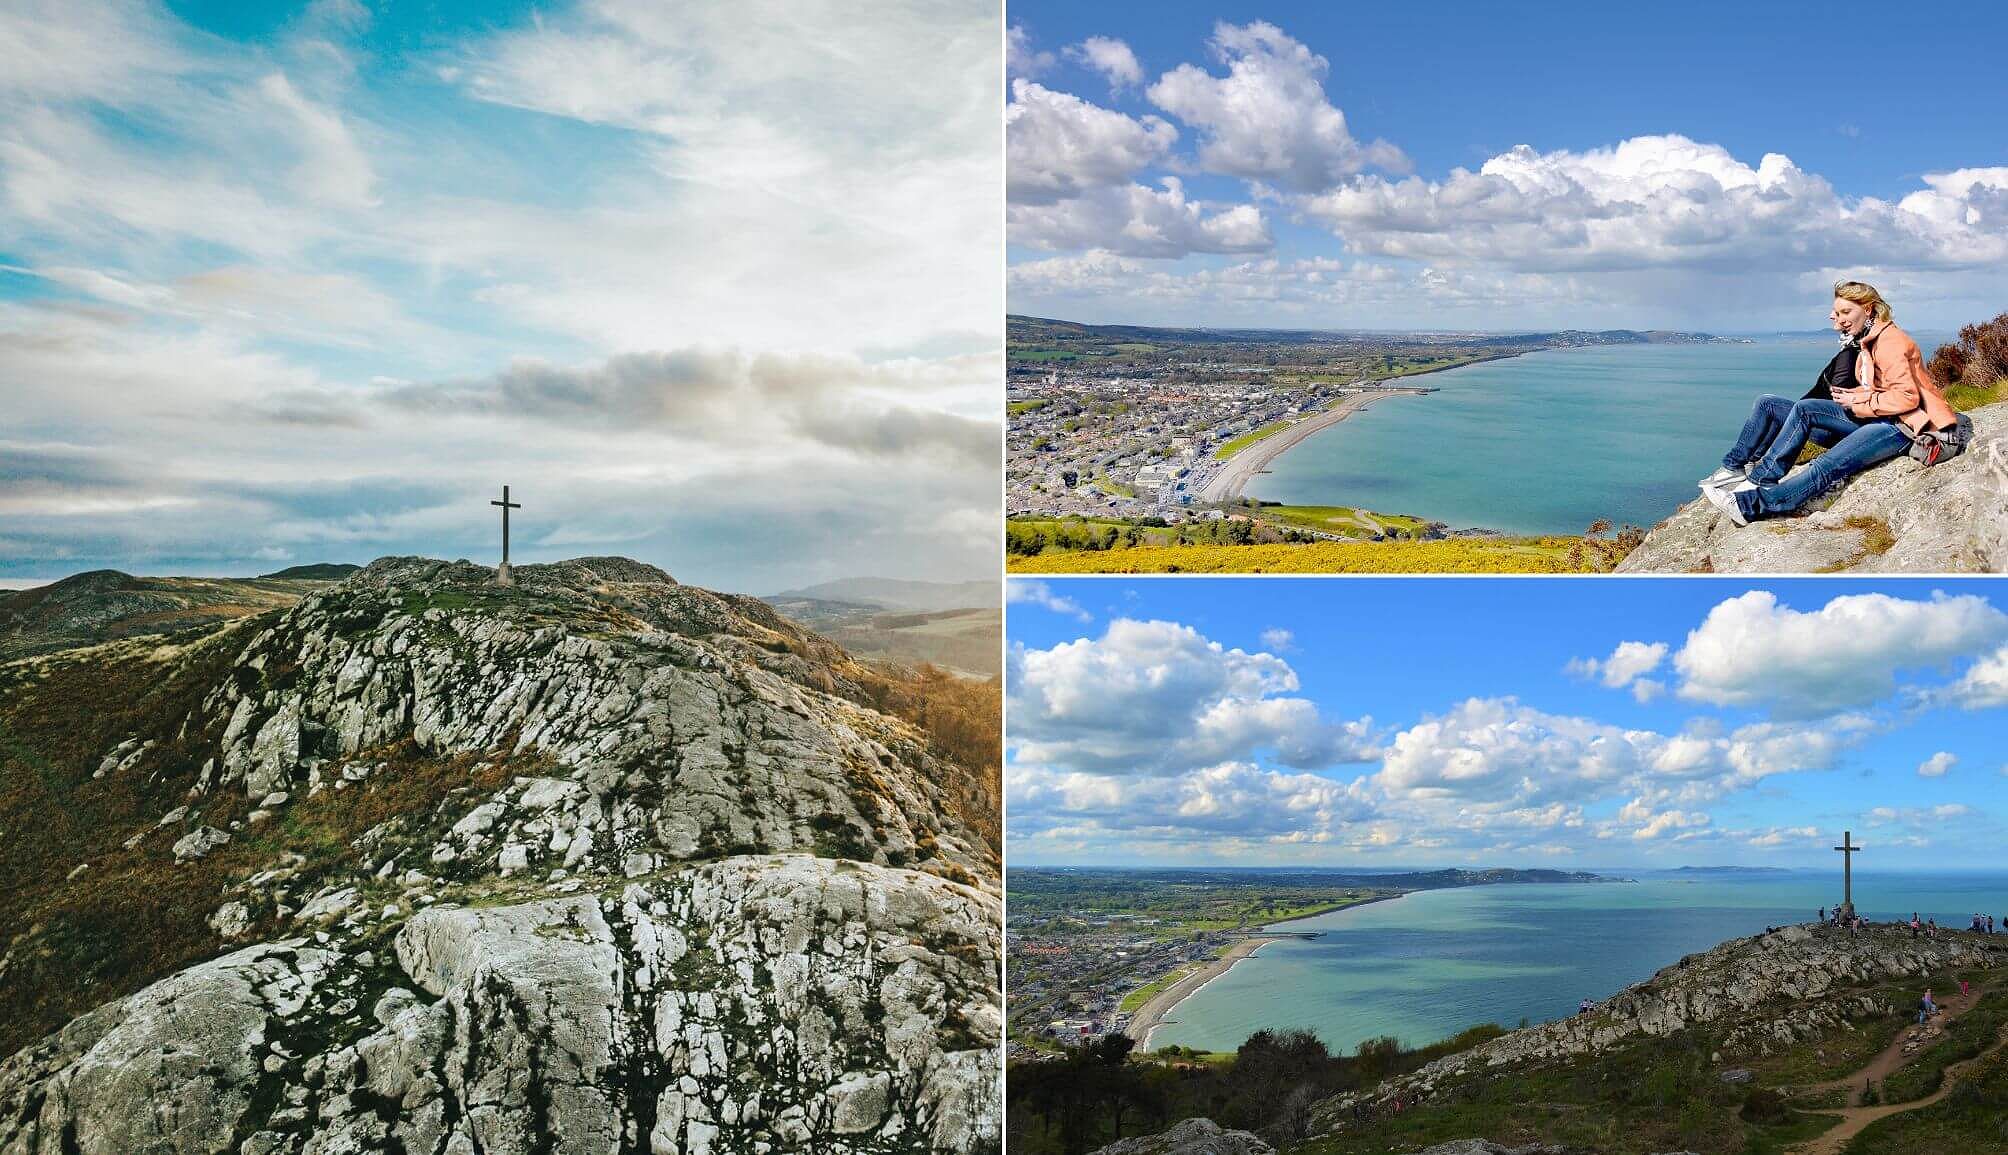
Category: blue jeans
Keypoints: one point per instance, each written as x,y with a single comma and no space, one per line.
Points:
1760,430
1856,445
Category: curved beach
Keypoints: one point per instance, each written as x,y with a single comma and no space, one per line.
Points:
1149,1015
1243,466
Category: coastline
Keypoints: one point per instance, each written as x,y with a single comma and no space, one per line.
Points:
1151,1015
1243,466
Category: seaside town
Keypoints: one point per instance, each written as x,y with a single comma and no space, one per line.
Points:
1167,426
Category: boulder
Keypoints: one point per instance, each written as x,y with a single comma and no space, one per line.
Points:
198,843
1899,517
1192,1137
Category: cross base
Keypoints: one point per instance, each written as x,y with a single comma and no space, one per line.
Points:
502,577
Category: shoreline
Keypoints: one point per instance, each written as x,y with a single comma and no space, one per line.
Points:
1243,466
1151,1014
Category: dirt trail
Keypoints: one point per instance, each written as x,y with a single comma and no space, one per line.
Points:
1855,1117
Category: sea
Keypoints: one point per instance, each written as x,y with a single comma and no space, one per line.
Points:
1430,964
1549,442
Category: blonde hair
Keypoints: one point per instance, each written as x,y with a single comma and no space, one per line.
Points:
1864,294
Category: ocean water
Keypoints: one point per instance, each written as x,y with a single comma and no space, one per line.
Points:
1552,441
1428,965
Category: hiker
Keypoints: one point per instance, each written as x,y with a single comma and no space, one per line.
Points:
1823,914
1585,1008
1875,400
1925,1007
1914,924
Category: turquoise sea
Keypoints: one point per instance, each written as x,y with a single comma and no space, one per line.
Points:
1550,442
1428,965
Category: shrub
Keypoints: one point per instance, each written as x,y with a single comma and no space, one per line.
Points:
1763,1105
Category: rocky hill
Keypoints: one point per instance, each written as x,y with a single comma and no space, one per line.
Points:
104,604
1755,996
600,862
1899,517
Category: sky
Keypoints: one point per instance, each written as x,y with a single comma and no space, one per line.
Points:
713,285
1563,723
1440,165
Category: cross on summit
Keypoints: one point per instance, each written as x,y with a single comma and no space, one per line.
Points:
1848,850
502,571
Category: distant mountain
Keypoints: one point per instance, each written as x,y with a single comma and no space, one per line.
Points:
321,571
1045,330
1732,870
102,605
899,594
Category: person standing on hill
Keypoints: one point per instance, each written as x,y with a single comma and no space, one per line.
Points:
1875,400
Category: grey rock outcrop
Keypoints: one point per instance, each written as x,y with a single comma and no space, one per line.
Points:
1192,1137
655,877
1899,517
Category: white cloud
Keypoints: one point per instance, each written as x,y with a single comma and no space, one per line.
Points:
1664,201
1279,639
1158,697
1629,662
1936,765
1753,651
1110,57
1033,592
1136,221
1233,799
1020,57
1646,689
1983,686
1268,118
1058,146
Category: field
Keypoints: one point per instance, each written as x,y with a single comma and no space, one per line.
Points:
1230,448
1341,519
1465,555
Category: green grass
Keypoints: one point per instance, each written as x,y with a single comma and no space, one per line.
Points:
1109,484
1043,355
1969,1120
1969,1034
1458,555
1337,519
1017,407
1967,398
1242,442
1149,991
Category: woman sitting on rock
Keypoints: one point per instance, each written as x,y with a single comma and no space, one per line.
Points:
1874,401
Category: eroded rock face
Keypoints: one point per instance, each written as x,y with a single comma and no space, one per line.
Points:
1192,1137
1948,518
651,876
757,1003
692,724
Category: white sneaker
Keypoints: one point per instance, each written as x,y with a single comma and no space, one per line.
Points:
1725,501
1725,476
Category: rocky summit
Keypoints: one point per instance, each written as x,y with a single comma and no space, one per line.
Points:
1899,517
599,862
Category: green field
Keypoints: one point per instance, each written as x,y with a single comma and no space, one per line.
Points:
1343,519
1017,407
1242,442
1460,555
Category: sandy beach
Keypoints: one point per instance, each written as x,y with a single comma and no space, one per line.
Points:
1149,1015
1239,469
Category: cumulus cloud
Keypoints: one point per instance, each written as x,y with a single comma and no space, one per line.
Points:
1058,146
1232,799
1137,221
1021,58
1496,754
1625,665
1751,650
1937,765
1665,201
1033,592
1158,697
1983,686
1110,57
1278,639
1267,119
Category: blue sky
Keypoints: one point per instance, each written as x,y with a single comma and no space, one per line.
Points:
1642,197
307,282
1654,722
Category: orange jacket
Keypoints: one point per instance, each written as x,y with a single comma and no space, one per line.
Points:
1894,383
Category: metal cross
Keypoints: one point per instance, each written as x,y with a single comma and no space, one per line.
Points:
1847,849
506,505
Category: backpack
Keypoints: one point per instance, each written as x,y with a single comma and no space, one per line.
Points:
1935,445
